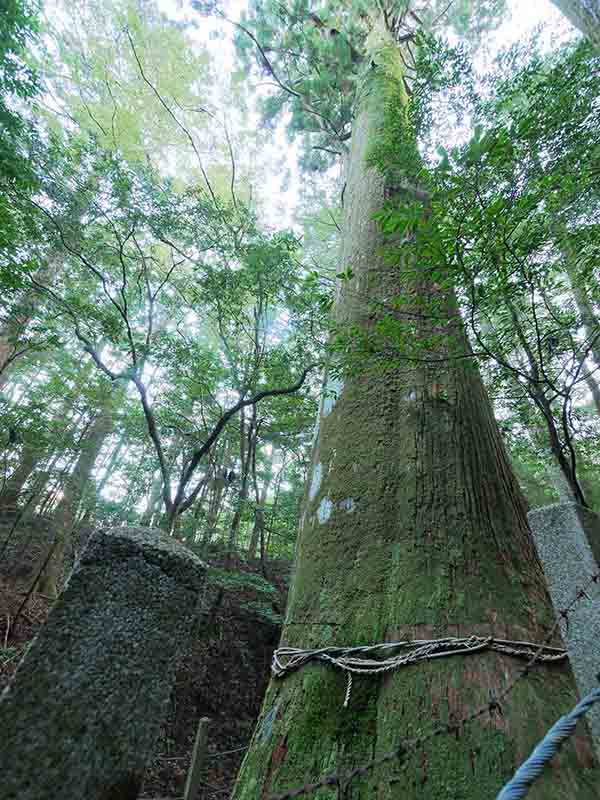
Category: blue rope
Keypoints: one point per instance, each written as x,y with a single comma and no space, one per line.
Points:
546,749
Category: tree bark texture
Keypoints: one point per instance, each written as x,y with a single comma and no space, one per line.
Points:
414,528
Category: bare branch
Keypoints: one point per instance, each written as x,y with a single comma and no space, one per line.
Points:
179,503
155,436
167,108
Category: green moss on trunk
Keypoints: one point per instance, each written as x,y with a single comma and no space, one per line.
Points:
414,527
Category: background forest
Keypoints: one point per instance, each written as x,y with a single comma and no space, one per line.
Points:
171,199
148,296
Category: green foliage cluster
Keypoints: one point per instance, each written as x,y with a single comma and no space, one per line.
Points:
18,84
18,26
253,593
518,204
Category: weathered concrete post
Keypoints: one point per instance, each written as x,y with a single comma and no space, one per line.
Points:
567,538
83,711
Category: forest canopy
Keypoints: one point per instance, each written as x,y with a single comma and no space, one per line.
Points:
150,152
313,284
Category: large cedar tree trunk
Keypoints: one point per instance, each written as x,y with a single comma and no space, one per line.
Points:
584,15
414,527
247,453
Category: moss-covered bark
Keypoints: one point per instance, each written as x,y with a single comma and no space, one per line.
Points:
414,527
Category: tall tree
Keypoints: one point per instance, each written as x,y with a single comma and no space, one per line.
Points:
584,15
414,525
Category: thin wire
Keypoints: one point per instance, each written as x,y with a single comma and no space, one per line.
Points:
227,752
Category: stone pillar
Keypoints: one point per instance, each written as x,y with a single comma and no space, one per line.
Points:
82,713
567,537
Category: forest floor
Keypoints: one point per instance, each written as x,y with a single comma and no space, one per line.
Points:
223,675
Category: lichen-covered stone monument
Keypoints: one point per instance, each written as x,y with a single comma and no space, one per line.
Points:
567,537
83,711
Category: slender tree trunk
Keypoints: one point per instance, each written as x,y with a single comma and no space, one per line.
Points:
42,479
88,501
109,468
72,423
199,510
258,529
12,343
155,516
247,446
260,496
87,518
216,489
134,495
587,315
569,480
64,516
594,390
584,15
47,501
266,545
414,527
60,479
13,488
154,500
217,496
12,346
48,470
588,318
